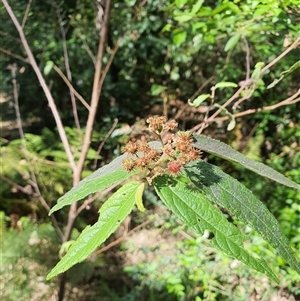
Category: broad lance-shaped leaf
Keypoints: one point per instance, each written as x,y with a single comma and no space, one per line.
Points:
224,151
112,214
197,212
227,192
99,180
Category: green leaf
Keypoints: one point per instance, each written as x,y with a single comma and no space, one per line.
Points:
225,85
167,27
230,194
284,74
224,151
197,212
157,89
256,75
179,37
261,10
183,18
180,3
99,180
138,197
197,6
232,122
198,100
232,42
112,213
48,67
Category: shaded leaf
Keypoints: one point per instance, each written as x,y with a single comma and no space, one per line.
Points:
198,213
112,213
224,151
230,194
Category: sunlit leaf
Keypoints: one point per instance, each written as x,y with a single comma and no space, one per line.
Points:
197,6
179,37
138,197
226,85
199,214
183,18
99,180
180,3
198,100
232,42
112,214
48,67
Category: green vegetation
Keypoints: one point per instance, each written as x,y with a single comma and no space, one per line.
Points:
79,80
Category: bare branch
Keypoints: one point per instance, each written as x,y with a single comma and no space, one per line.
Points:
289,101
60,73
8,52
26,13
43,84
33,180
68,69
104,140
284,53
95,92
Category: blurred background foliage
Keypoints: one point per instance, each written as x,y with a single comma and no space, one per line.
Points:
169,52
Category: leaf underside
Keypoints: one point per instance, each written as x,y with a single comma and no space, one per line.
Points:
224,151
199,214
112,213
227,192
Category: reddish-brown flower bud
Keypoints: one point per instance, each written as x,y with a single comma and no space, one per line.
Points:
194,154
170,125
131,148
175,168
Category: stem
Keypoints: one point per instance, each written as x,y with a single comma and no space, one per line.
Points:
44,86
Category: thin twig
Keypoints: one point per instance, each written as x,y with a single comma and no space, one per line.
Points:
24,190
289,101
8,52
95,93
60,73
44,86
91,117
26,13
194,96
87,48
284,53
111,57
33,180
68,69
104,140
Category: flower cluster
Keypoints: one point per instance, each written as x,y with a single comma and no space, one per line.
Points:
176,150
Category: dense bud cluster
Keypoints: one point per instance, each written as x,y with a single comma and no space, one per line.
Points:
176,150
